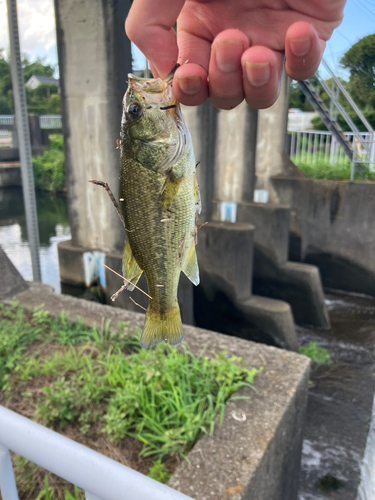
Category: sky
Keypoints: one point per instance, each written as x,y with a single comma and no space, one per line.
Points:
38,37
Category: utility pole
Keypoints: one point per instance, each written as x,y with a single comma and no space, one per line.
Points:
23,133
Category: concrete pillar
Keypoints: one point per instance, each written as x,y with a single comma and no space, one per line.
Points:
271,158
235,154
94,60
224,144
201,121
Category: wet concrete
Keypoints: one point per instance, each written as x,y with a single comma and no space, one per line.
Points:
340,400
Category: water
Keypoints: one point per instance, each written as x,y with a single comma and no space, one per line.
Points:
53,227
337,441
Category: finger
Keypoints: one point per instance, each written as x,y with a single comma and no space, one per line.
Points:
261,76
303,51
149,26
190,84
225,71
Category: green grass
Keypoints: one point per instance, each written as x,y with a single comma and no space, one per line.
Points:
317,354
340,171
91,379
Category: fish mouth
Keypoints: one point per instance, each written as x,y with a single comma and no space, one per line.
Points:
154,90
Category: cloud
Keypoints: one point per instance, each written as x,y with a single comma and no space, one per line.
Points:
36,23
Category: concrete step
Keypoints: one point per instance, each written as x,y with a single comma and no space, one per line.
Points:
298,284
223,301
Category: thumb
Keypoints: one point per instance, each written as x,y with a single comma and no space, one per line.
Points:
149,26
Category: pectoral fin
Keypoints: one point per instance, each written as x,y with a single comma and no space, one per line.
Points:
191,269
169,191
130,267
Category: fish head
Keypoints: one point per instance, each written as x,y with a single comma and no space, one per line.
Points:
152,129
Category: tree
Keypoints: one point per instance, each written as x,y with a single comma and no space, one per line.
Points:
43,100
38,67
360,61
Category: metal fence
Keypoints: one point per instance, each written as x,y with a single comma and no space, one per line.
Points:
320,147
50,121
100,477
45,121
6,120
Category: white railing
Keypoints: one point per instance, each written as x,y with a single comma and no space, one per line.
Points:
317,146
45,121
100,477
6,120
50,121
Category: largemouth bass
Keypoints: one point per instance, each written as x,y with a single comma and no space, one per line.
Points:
159,201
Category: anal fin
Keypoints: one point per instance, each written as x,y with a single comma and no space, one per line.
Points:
190,268
130,267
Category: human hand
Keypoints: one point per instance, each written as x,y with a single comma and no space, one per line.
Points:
238,44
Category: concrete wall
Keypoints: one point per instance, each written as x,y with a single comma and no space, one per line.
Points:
94,59
333,227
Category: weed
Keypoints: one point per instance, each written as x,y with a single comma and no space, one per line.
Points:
102,383
317,354
159,472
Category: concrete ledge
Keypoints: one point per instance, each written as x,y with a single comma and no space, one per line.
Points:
256,453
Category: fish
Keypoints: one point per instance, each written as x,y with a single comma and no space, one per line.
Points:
159,202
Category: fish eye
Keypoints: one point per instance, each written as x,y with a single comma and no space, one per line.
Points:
134,110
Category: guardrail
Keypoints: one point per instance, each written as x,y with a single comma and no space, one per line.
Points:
100,477
317,146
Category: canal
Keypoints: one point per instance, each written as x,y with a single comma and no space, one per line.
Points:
340,396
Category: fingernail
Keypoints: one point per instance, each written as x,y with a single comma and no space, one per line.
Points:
258,74
228,55
190,85
300,46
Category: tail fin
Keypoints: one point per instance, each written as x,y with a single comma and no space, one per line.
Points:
159,328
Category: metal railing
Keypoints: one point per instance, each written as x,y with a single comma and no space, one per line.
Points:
6,120
100,477
317,146
45,121
50,121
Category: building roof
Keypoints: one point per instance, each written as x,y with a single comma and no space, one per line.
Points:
36,80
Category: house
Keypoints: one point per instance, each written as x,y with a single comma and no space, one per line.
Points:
34,81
